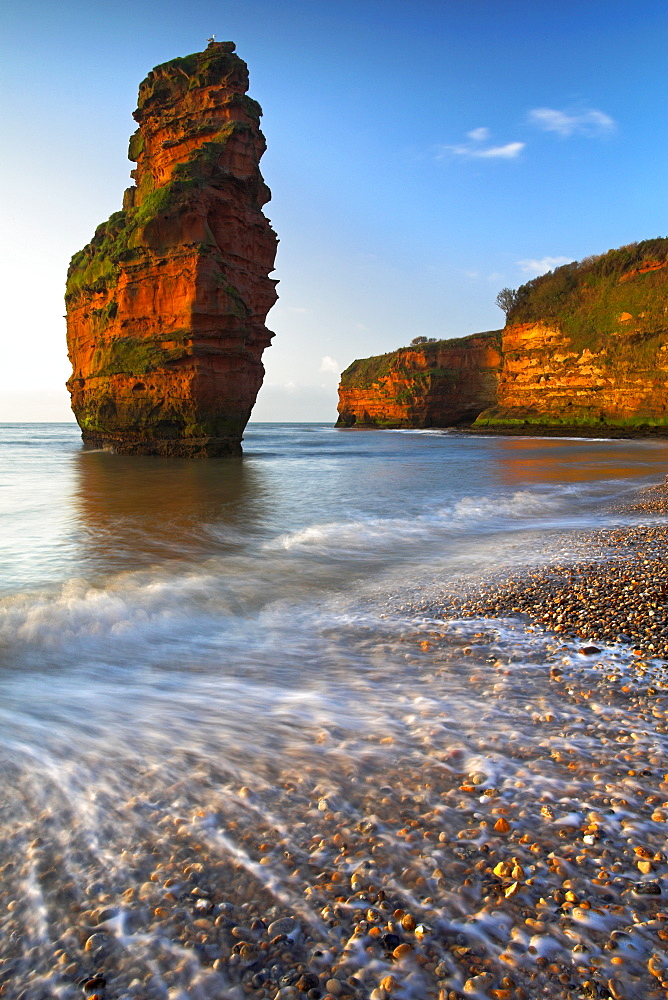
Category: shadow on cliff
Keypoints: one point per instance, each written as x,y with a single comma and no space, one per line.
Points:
136,511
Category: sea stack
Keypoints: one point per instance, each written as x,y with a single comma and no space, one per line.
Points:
166,306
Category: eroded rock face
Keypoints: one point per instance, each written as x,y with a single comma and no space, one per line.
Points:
548,381
585,350
586,347
166,306
440,384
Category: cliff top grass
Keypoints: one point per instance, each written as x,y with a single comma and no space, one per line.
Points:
588,298
364,372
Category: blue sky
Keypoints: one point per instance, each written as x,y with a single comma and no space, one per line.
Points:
421,154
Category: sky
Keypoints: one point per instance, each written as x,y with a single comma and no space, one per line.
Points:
422,155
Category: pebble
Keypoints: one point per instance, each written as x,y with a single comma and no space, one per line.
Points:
477,984
95,985
617,597
286,925
96,942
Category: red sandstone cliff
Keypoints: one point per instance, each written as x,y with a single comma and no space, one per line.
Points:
166,306
585,351
549,381
586,347
437,384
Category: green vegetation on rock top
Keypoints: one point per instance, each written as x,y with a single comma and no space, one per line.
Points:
171,80
587,299
364,372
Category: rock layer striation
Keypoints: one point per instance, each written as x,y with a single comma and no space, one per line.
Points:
586,347
434,384
166,306
584,350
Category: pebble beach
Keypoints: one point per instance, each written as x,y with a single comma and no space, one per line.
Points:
435,874
464,796
620,595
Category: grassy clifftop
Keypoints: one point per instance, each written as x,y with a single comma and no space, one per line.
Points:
418,359
587,298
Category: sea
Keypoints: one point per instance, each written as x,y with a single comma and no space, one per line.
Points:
240,646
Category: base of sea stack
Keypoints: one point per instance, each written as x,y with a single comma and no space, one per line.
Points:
204,447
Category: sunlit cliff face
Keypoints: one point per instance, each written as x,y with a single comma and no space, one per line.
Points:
166,306
586,346
437,384
585,350
549,380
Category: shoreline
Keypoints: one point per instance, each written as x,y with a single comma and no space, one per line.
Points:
602,433
618,595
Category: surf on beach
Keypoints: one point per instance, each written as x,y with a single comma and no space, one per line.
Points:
360,715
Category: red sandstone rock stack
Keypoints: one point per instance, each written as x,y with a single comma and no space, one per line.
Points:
166,306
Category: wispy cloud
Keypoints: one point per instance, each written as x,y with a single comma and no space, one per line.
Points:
478,147
297,309
479,134
329,365
532,268
588,121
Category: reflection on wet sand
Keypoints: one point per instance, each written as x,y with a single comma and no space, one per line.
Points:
134,510
538,460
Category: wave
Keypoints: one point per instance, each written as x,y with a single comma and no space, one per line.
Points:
478,516
189,603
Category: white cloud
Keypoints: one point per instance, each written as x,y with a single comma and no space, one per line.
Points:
507,152
588,122
476,148
479,134
329,365
297,309
532,268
